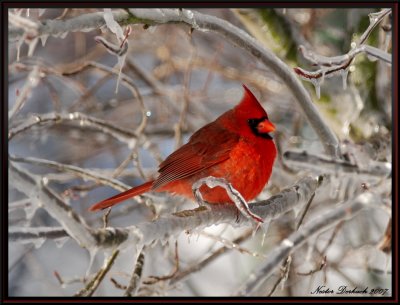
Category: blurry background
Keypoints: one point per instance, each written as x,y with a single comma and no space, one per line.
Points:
186,79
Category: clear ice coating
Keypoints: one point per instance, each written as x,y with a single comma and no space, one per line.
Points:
344,74
317,85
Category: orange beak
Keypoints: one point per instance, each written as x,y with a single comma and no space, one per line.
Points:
265,127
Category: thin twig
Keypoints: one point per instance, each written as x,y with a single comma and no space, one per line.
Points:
91,287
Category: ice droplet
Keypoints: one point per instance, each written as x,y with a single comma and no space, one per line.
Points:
121,61
38,242
148,113
60,242
32,46
188,14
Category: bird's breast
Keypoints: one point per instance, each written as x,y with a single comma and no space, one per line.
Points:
248,169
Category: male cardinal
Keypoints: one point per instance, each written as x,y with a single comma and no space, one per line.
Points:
237,146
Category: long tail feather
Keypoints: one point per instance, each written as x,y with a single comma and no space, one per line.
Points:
140,189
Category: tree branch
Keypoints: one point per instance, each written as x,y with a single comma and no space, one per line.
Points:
319,224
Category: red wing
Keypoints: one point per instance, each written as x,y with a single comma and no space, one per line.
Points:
208,146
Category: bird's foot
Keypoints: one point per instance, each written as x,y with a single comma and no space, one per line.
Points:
233,194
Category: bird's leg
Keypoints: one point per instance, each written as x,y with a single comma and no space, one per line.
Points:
197,194
235,195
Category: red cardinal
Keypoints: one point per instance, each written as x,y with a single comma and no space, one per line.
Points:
237,146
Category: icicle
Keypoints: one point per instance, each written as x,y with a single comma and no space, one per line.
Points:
121,61
263,239
344,74
32,45
43,39
264,227
19,44
317,85
41,11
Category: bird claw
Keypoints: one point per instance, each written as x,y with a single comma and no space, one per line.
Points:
235,196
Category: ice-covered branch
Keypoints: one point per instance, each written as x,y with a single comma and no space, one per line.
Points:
36,189
319,224
204,22
147,232
173,225
31,234
331,66
82,23
83,173
121,134
318,163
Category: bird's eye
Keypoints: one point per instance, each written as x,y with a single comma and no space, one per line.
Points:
252,122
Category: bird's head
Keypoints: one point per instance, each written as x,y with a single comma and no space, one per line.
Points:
251,116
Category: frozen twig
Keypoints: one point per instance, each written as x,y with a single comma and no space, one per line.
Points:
36,188
209,259
204,22
91,287
133,286
83,173
331,66
319,224
28,233
31,82
82,23
121,134
318,163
